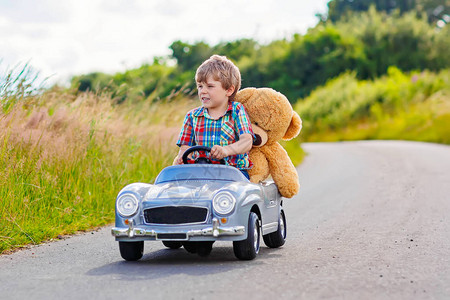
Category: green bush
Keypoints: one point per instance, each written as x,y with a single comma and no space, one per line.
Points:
396,106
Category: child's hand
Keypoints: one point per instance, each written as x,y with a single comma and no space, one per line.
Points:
219,152
178,160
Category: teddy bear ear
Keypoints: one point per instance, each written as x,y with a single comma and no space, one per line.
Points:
294,127
243,95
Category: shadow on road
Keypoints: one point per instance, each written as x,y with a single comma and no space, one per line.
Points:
166,262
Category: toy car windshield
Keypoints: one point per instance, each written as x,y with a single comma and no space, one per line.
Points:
199,172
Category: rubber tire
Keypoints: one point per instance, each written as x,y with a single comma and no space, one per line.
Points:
278,238
249,248
204,248
131,251
172,244
190,247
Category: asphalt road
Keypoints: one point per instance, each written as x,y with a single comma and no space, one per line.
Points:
371,222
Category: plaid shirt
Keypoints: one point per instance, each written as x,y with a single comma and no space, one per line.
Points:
200,129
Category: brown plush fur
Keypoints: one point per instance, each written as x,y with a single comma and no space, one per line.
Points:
273,118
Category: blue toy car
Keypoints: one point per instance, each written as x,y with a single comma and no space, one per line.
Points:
195,204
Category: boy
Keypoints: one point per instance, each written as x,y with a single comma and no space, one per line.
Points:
220,123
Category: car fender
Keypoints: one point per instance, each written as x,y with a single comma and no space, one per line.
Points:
138,188
250,200
247,205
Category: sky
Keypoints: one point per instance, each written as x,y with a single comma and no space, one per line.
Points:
62,38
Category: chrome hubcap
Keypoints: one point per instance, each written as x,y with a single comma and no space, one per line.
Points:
255,238
282,228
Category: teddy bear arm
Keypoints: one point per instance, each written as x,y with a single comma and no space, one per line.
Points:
282,170
260,170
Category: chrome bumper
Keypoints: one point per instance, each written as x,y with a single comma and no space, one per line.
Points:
214,231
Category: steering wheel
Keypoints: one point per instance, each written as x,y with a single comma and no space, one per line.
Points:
203,158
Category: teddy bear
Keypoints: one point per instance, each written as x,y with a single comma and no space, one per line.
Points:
272,119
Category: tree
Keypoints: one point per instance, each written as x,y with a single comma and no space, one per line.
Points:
339,8
393,40
435,10
189,57
237,50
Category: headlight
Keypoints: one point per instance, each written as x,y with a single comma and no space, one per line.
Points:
127,205
223,203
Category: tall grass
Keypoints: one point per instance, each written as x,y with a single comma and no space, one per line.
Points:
64,158
19,83
409,106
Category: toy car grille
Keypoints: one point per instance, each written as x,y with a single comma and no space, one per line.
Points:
176,215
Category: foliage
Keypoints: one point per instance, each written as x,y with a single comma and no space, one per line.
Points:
321,54
145,82
294,150
189,57
435,10
17,84
399,105
367,43
402,41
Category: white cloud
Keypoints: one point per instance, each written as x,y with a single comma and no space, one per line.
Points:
28,11
78,36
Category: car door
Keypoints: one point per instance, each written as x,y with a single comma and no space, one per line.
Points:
271,207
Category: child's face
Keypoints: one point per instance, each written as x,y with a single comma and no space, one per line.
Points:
212,94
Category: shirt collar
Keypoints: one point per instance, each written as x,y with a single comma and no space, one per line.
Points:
201,111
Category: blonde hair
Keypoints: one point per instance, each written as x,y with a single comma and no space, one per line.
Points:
222,69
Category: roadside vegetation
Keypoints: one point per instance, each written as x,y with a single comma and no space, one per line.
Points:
409,106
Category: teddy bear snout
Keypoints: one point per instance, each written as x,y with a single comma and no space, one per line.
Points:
257,141
260,136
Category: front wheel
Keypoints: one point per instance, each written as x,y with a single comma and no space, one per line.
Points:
172,244
131,251
278,238
202,248
190,247
249,248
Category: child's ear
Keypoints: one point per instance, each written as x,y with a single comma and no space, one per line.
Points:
230,91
